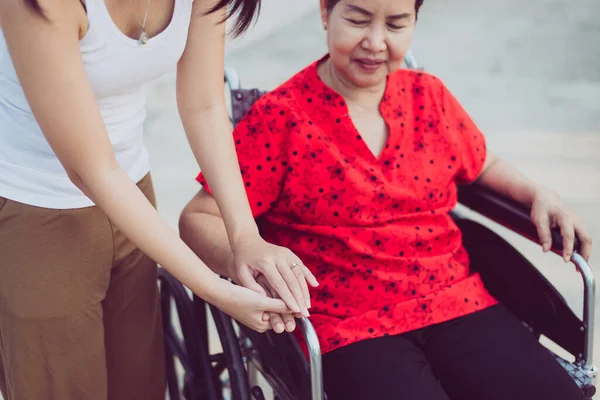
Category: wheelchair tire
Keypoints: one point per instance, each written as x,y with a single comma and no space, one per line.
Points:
189,348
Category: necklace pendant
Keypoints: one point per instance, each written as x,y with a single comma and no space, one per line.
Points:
143,37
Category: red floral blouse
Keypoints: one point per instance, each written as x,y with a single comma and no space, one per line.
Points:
375,231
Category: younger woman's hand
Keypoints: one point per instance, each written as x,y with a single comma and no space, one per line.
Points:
284,271
248,307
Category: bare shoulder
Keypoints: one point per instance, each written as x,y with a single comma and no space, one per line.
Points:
201,8
17,16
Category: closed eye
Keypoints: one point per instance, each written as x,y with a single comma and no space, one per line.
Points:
396,27
357,22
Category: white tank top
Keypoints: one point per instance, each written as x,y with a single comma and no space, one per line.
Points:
117,67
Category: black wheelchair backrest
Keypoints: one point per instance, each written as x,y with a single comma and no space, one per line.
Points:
241,101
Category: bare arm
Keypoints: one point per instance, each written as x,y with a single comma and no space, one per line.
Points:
201,103
507,180
547,210
201,226
47,58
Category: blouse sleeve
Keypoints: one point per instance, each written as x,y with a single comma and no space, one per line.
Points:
470,140
261,159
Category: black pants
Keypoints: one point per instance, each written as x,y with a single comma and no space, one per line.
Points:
488,355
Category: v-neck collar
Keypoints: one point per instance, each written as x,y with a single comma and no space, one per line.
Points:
341,108
321,87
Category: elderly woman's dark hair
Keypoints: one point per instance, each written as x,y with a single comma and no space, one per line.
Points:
245,10
332,3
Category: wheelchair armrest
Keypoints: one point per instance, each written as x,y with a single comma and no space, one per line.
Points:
516,217
506,212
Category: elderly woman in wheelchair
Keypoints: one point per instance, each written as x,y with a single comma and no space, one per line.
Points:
353,164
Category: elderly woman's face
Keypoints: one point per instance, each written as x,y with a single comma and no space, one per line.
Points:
368,39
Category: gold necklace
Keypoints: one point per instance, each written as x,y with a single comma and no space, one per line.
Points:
143,35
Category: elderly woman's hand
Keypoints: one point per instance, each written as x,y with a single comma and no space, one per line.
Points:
284,271
279,322
547,212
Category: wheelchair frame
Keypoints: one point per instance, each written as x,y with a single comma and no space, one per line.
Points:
243,359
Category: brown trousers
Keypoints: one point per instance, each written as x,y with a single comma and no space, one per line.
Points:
79,311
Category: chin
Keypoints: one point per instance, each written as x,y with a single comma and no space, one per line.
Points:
368,81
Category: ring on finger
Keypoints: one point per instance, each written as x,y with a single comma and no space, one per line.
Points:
294,265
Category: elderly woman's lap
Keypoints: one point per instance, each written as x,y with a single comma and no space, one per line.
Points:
486,355
386,368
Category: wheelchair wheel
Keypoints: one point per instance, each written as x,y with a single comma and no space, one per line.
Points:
248,355
193,373
239,365
188,367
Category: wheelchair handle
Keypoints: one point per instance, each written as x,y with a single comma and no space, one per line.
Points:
231,78
410,61
516,217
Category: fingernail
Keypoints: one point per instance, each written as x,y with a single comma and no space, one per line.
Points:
290,326
279,327
305,313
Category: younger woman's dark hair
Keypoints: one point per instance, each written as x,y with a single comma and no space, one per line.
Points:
244,10
332,3
35,6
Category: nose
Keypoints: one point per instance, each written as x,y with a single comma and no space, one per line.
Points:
375,40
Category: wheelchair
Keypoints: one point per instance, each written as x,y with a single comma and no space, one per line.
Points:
251,363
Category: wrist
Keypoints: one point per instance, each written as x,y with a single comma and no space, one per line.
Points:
231,269
243,234
525,193
537,191
217,291
531,194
